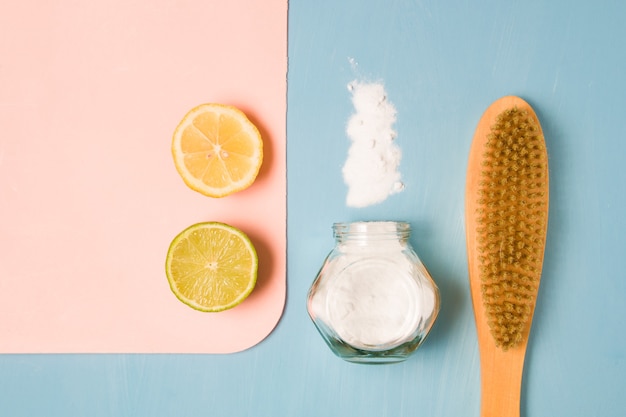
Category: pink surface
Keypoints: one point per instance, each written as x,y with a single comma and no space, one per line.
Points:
90,94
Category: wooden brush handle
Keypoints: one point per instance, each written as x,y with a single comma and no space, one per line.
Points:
501,381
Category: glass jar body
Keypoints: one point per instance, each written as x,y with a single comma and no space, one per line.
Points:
373,301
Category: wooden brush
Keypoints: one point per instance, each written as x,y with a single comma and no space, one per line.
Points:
506,219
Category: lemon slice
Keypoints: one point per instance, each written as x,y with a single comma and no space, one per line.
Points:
217,150
211,266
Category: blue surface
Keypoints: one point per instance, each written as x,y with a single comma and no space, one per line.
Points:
442,65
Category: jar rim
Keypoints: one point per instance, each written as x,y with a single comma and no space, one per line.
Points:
372,227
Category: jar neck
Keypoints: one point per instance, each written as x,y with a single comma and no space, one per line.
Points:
371,231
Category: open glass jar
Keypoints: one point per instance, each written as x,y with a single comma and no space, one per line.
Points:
373,300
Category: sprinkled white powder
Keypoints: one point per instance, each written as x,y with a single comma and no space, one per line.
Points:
371,168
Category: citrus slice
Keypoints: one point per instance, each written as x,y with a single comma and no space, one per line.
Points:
217,150
211,266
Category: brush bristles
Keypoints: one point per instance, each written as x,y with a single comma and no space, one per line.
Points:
511,217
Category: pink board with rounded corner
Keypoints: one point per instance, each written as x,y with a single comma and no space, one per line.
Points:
90,94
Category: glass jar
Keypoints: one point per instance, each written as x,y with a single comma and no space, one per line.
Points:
373,300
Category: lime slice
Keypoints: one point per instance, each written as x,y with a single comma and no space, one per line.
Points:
211,266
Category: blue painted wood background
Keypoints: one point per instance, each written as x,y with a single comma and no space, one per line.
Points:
442,63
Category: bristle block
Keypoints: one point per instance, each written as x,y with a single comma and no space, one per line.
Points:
511,218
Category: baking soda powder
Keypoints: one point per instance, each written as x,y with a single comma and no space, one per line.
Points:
371,168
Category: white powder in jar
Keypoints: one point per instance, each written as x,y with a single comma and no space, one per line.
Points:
373,303
371,168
